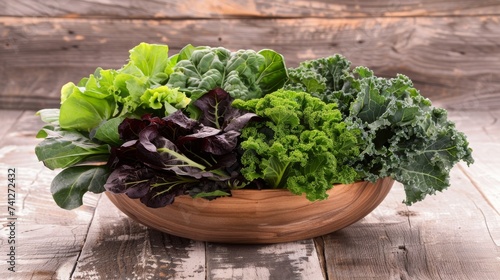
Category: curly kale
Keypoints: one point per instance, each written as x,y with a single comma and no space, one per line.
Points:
302,144
404,137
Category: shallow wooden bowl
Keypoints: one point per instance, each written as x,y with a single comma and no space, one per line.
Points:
259,216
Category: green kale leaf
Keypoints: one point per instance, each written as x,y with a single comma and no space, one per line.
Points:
404,136
302,144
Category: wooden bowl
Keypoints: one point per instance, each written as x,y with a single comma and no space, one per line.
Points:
259,216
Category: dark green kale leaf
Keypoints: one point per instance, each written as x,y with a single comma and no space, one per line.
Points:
326,78
404,137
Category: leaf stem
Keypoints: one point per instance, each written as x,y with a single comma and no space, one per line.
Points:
181,158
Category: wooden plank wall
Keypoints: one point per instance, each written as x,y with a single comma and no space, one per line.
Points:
450,48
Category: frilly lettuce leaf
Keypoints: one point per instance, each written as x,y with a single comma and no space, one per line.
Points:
85,107
163,97
149,60
133,89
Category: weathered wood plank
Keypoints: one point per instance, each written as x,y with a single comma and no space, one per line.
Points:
449,236
452,235
119,248
48,239
483,130
293,260
110,246
8,118
245,8
449,59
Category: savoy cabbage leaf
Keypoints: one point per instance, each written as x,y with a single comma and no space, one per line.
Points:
244,74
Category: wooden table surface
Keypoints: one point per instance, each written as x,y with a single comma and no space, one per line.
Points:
452,235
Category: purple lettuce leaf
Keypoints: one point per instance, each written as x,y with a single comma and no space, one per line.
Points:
131,180
214,105
165,157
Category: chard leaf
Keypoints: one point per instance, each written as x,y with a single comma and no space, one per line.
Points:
214,105
62,148
237,123
154,189
69,186
165,188
131,180
174,155
217,111
158,152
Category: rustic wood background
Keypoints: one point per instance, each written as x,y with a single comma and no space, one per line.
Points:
450,49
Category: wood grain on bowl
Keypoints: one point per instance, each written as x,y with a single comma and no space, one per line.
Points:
259,216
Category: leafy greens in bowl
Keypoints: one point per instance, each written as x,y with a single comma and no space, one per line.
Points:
207,121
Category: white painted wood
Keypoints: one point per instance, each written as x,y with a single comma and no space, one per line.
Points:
483,131
292,260
454,234
48,239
